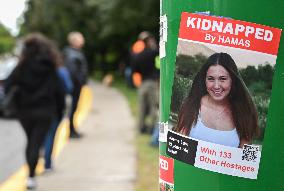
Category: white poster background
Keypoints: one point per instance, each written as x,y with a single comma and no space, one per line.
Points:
226,160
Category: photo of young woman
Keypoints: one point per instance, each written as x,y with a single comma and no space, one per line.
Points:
219,108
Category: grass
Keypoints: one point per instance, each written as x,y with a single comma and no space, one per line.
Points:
148,163
147,156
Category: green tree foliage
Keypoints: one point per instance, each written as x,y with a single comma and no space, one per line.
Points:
258,80
249,75
7,41
109,26
187,66
181,88
265,73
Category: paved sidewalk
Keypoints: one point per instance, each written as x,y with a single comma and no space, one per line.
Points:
105,158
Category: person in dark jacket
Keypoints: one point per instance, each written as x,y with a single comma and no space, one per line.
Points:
38,88
67,86
144,63
76,63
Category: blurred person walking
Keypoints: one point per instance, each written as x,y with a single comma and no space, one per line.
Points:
77,65
38,87
67,86
144,63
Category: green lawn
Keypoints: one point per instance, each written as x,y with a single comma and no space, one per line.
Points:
147,156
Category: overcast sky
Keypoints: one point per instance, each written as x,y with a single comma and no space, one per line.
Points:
10,10
242,57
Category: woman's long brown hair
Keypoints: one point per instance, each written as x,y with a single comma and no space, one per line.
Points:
38,47
243,110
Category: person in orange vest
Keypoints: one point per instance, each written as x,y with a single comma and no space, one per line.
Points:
144,64
133,79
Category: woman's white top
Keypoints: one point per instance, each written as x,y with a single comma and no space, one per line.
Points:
228,138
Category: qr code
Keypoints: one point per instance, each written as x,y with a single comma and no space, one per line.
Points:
250,153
